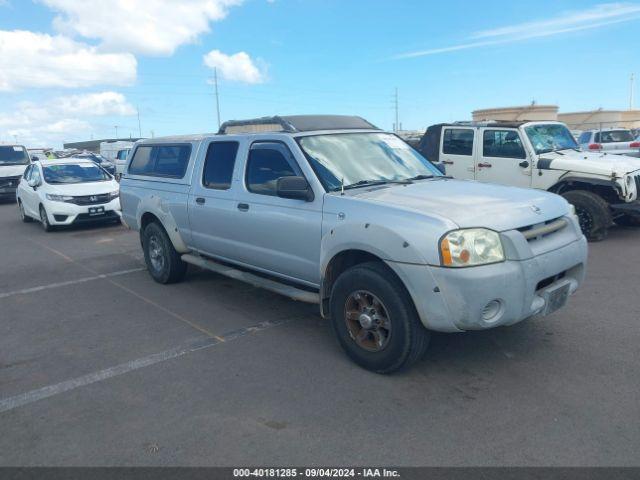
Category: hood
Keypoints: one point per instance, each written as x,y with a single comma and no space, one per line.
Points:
81,189
592,162
12,170
471,204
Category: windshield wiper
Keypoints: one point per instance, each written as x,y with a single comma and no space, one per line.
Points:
421,177
369,183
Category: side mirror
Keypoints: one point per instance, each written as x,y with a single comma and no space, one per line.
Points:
32,182
441,167
296,188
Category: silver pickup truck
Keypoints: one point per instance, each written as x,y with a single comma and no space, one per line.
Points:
334,211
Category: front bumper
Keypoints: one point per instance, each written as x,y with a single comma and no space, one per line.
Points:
7,193
62,213
453,300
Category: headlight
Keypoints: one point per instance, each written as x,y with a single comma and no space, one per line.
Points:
113,195
469,247
58,198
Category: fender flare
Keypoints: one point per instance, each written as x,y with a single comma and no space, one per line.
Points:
153,205
556,187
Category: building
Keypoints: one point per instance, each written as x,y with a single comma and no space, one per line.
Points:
94,145
527,112
594,119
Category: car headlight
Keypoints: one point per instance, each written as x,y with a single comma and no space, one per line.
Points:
113,195
58,198
471,246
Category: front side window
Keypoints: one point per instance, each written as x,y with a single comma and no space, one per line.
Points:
265,166
550,138
13,155
614,136
161,160
502,143
218,165
350,158
458,141
73,173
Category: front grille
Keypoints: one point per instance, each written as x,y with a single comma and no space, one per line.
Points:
10,181
544,229
91,199
85,217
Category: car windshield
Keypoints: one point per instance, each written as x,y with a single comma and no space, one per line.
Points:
613,136
74,173
549,138
13,155
362,158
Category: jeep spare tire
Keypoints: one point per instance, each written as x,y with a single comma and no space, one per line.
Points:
593,213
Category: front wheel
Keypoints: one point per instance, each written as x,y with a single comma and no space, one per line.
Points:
44,220
375,320
163,261
593,213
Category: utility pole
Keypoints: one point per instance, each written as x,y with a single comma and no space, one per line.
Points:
151,133
215,82
116,127
396,125
139,127
632,84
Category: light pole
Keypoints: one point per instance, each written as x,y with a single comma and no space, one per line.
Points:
116,127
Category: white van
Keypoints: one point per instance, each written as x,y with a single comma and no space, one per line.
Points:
14,159
116,151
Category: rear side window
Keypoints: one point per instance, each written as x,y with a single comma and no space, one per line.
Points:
502,143
218,166
614,136
458,141
161,160
264,167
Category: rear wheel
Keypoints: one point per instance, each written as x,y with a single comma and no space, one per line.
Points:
44,220
375,320
25,218
593,213
163,261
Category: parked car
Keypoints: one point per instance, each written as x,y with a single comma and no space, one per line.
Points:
116,152
603,188
13,161
67,191
98,160
617,141
333,211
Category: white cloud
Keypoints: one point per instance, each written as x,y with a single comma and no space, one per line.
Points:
62,118
238,67
586,19
29,59
152,27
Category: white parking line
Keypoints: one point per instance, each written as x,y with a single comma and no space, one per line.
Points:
69,282
198,344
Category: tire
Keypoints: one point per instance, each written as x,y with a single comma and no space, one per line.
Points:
397,346
627,221
23,216
593,213
163,262
44,220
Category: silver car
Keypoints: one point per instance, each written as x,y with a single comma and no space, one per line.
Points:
333,211
618,141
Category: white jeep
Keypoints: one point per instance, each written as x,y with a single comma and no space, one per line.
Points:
603,188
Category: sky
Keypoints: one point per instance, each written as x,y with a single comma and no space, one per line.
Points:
73,70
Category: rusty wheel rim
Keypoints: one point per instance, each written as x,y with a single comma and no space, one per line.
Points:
367,321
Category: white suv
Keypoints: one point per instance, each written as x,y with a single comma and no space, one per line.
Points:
617,141
603,188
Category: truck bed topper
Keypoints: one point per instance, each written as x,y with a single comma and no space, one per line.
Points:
295,123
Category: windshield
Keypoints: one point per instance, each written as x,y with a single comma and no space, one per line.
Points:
349,158
613,136
548,138
13,155
74,173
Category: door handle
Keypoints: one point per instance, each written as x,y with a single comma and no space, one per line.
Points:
524,164
200,201
243,207
484,165
447,162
